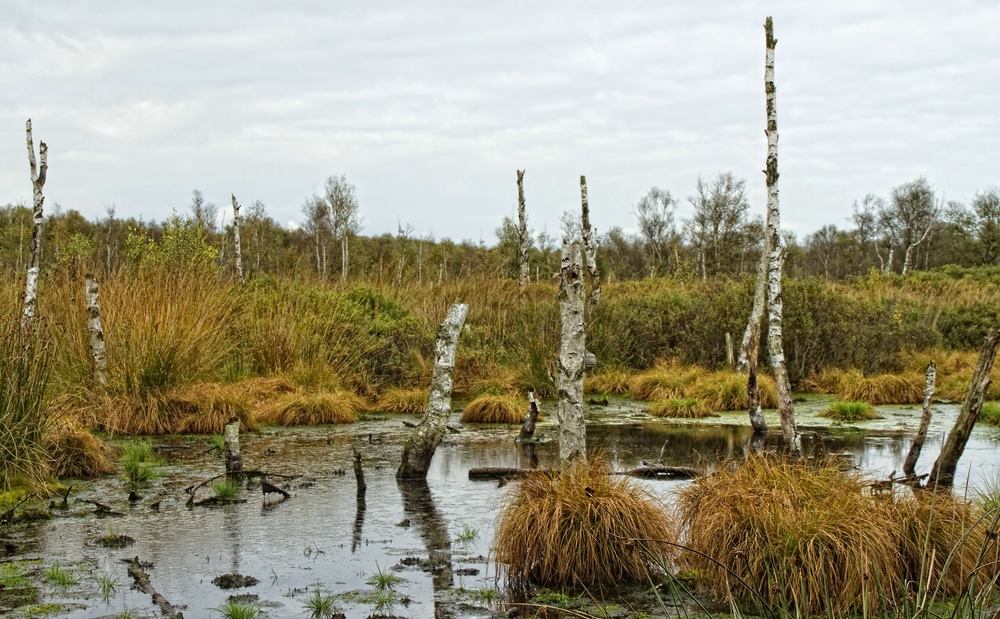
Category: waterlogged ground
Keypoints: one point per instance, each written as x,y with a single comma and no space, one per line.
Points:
434,539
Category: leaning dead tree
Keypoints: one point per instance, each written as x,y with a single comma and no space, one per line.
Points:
95,332
38,172
570,363
236,239
418,450
943,473
774,299
910,464
750,348
589,246
912,246
522,233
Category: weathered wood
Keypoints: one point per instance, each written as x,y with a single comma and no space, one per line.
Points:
419,448
774,301
943,473
96,331
231,448
494,473
528,426
141,578
236,239
39,171
909,465
570,363
523,242
661,472
359,474
589,237
267,488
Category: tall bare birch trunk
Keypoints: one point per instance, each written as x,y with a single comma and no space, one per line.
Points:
418,450
589,246
38,173
96,331
236,239
943,473
774,300
570,364
910,464
909,250
750,348
522,233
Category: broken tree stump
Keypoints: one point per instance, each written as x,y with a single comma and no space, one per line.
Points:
141,578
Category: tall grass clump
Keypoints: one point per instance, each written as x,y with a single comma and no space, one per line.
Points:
790,535
581,527
506,408
72,451
990,413
664,381
850,411
138,462
25,369
613,381
727,391
680,408
313,409
412,401
854,386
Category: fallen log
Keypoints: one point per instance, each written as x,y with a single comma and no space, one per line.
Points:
141,579
661,472
494,473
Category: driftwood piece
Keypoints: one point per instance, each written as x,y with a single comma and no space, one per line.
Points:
419,448
528,427
141,578
39,171
910,464
943,473
267,488
661,472
96,331
644,472
494,473
570,363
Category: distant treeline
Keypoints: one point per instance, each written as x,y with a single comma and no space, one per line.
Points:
910,230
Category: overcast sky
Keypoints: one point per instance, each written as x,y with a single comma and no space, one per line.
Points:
430,107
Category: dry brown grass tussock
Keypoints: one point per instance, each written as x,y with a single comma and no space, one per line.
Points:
854,386
413,401
613,381
680,408
313,408
667,379
582,526
506,408
74,452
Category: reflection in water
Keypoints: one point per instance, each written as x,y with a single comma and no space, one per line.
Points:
233,532
418,505
359,522
529,459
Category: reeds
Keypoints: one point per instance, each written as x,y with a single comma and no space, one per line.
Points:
990,413
412,401
850,411
506,408
854,386
313,409
680,408
581,527
788,535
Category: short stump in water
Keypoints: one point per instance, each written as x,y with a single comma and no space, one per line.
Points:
582,527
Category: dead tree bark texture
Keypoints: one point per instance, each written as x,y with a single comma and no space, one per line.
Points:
236,239
570,364
528,426
96,332
910,464
943,473
38,173
418,450
522,233
231,446
774,300
589,246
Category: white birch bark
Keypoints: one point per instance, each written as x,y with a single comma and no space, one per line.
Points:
344,256
774,338
570,364
909,250
910,464
96,332
522,233
418,450
236,239
38,173
751,336
589,246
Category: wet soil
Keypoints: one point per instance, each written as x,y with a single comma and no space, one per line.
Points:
432,538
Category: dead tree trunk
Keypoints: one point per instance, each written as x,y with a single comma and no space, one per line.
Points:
38,173
359,475
943,473
522,233
589,246
750,348
425,438
231,447
96,332
528,427
569,365
774,300
910,464
236,239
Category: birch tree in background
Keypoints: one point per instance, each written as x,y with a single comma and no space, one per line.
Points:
774,300
342,202
96,331
589,246
236,239
523,240
38,173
